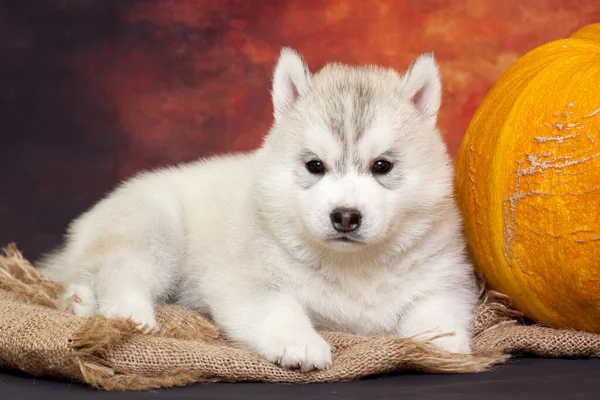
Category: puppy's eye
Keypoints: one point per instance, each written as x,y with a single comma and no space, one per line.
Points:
381,167
315,167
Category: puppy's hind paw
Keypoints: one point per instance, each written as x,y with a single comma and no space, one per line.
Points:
139,312
78,300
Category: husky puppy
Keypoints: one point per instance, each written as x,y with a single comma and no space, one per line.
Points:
343,220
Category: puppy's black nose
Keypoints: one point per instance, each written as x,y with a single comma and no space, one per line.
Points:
345,219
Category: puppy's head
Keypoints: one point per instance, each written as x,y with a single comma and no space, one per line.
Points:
354,157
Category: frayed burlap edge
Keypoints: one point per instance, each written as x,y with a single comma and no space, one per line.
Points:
416,356
102,348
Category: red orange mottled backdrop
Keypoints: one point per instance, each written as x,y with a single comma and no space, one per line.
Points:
94,90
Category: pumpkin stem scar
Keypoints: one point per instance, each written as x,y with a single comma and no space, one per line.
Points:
597,111
471,175
538,164
471,170
581,231
557,139
590,137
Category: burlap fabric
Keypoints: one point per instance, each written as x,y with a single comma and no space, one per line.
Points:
38,339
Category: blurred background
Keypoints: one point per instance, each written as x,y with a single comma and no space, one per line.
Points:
92,91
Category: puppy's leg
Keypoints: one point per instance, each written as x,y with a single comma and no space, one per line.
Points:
275,326
127,286
441,313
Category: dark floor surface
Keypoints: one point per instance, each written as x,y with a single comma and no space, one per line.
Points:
520,378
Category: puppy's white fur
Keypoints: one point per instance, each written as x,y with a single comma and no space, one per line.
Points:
247,239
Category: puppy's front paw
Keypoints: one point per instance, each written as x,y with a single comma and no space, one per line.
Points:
298,350
453,344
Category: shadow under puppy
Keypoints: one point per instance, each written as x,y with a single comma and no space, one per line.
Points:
343,220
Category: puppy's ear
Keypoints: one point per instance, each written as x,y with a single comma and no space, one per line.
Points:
422,84
291,80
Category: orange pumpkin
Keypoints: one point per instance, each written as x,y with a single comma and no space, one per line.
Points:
528,183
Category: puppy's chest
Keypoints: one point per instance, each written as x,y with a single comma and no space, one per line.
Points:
356,304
